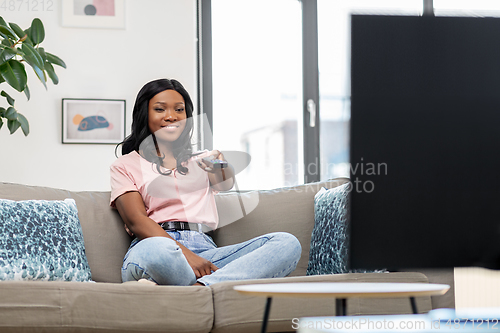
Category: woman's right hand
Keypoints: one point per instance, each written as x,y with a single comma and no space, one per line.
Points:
200,266
133,212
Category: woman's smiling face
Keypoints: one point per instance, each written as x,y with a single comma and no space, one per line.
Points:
167,115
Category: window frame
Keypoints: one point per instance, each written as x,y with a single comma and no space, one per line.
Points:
310,80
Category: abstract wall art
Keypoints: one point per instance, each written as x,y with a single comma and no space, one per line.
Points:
93,14
93,120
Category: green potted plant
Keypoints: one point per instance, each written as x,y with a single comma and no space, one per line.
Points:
17,48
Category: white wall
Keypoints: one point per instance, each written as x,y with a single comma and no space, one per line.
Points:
159,41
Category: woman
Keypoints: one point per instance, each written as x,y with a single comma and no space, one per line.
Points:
165,195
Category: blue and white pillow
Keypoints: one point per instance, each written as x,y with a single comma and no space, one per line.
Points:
41,240
329,239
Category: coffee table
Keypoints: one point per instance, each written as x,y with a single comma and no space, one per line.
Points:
340,291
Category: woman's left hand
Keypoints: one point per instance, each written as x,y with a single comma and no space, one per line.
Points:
215,155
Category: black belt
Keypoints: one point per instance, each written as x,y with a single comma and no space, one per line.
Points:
177,225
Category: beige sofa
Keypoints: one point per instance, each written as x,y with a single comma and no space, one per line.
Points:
111,306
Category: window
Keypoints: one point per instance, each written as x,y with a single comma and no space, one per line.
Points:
256,72
257,88
479,8
334,74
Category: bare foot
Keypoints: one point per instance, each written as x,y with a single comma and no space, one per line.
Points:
197,284
146,281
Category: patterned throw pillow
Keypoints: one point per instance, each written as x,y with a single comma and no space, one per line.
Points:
329,242
41,240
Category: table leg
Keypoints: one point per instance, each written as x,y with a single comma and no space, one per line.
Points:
266,315
340,306
413,305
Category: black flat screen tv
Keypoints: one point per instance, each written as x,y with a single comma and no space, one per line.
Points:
425,142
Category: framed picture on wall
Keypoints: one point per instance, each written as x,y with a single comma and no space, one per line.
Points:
93,120
93,14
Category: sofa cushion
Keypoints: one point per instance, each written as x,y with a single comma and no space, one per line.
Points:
41,240
106,241
104,307
236,312
329,246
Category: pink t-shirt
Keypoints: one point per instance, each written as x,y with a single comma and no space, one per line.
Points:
175,197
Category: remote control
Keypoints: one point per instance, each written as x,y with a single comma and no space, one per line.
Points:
215,163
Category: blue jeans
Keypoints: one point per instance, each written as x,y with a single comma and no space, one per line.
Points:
160,259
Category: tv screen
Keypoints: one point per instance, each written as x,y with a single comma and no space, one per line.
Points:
425,142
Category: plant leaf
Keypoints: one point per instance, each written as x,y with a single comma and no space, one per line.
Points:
5,30
28,39
10,100
17,29
14,73
52,74
41,51
37,32
25,126
19,72
9,76
33,59
53,59
27,92
1,123
20,52
13,125
11,114
4,24
7,54
6,41
31,54
2,112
